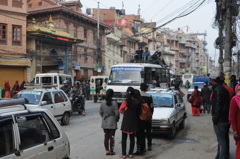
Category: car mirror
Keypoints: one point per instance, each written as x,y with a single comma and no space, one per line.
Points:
44,102
178,105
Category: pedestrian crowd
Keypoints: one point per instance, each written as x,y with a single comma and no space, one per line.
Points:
224,103
137,110
9,92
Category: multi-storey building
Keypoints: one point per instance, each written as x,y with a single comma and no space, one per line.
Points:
14,65
67,16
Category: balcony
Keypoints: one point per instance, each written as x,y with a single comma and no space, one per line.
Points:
197,59
174,48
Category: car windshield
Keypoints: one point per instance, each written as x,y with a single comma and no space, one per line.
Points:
33,97
200,85
162,100
125,75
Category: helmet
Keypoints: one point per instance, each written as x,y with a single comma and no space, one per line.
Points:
65,81
76,82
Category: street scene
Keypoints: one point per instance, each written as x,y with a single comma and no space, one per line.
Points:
197,140
106,79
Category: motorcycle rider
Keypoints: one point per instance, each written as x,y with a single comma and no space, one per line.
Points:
77,91
66,88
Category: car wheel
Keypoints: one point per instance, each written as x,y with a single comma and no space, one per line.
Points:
182,124
65,118
95,99
172,133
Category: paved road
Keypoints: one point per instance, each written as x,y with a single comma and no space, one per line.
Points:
196,141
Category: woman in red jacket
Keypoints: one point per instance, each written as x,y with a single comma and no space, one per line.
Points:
7,89
234,118
196,101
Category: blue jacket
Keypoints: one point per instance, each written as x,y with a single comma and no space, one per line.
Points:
146,53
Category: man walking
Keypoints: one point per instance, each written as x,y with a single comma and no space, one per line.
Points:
148,99
220,110
206,92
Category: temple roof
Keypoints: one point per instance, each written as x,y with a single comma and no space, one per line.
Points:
50,29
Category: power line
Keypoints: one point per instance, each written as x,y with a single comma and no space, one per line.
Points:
160,10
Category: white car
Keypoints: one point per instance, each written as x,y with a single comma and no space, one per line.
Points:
27,133
191,89
169,111
55,100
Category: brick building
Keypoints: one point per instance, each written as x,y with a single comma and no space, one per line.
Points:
68,16
14,65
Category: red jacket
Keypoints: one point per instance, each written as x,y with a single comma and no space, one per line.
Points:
195,96
234,116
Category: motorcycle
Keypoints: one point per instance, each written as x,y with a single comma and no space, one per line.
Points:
76,103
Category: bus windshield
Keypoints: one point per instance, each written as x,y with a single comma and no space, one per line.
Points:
125,75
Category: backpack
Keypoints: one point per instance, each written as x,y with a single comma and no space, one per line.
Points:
146,113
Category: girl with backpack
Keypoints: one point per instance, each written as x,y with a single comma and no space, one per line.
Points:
195,100
110,116
129,109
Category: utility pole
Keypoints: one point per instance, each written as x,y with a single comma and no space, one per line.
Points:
228,38
99,54
220,35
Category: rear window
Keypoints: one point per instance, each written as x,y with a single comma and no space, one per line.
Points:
162,100
33,97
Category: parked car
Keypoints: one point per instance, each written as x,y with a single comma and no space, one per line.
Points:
30,133
191,89
169,111
55,100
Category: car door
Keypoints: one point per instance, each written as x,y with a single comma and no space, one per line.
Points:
67,104
7,139
35,138
181,106
47,102
61,146
59,104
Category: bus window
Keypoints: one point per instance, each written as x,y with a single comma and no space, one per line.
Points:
55,80
37,80
46,79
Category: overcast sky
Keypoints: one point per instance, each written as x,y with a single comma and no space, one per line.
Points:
155,10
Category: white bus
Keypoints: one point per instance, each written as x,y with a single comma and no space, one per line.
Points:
188,77
133,74
56,79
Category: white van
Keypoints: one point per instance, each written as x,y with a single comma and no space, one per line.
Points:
98,85
56,79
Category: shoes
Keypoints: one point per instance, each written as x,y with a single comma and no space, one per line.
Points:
123,156
112,153
130,156
107,153
149,148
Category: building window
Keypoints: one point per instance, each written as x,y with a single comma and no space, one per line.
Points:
16,35
75,32
17,3
29,5
4,2
39,3
85,56
94,37
85,34
3,33
75,49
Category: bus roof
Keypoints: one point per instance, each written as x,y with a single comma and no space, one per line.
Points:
137,65
51,74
